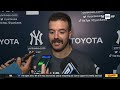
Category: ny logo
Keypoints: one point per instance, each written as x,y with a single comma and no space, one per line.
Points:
118,40
37,37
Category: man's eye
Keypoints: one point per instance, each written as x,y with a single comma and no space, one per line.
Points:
51,32
62,32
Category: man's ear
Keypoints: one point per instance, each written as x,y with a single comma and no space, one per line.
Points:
70,34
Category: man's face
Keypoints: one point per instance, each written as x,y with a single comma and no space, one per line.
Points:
59,34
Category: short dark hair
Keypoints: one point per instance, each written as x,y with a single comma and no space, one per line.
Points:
61,16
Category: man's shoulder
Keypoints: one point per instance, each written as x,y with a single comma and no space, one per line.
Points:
83,56
79,53
84,62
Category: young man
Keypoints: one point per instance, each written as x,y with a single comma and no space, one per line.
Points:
59,36
62,52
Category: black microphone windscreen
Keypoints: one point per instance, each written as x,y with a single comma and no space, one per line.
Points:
65,61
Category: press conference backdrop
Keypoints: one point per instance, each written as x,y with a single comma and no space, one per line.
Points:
96,33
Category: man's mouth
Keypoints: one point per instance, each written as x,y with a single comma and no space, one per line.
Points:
56,44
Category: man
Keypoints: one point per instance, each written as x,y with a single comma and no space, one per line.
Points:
59,36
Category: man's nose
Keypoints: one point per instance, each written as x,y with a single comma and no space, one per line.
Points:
56,35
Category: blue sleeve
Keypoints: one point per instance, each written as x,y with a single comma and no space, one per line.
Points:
11,69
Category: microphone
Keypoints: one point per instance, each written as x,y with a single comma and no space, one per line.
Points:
68,66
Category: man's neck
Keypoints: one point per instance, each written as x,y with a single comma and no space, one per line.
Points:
64,53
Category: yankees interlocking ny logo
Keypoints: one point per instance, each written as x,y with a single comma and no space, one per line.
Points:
36,37
118,40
